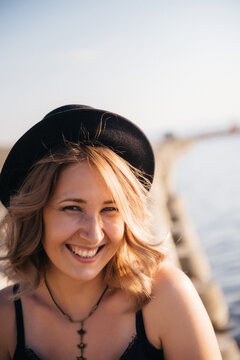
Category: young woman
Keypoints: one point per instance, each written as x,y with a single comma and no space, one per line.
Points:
88,282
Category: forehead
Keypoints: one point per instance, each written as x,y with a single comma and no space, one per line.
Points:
81,179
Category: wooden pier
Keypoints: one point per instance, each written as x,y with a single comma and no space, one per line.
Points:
171,220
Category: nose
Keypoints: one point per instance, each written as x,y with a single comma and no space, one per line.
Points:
91,230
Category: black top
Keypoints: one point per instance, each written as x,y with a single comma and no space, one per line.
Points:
139,348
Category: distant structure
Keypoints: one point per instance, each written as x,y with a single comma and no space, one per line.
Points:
232,130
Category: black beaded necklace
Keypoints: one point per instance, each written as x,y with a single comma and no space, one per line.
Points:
81,331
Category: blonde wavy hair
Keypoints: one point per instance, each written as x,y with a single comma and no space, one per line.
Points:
133,266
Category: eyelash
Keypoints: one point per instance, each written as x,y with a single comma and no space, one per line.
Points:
71,208
110,208
77,208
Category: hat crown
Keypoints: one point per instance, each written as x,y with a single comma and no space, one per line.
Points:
65,108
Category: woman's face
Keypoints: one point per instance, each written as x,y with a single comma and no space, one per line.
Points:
82,226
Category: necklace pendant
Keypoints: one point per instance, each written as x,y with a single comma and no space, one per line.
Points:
81,332
81,345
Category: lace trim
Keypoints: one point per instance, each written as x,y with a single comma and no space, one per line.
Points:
30,355
130,345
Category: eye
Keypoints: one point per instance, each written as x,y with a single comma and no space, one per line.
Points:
109,209
73,208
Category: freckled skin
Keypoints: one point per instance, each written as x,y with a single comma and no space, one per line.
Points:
81,213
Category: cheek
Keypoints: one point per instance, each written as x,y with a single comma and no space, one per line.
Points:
58,225
115,231
53,230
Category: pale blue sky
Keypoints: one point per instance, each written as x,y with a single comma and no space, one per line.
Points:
167,65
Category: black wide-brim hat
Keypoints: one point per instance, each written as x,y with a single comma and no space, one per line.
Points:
77,124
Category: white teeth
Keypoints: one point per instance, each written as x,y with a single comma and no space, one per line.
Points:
83,253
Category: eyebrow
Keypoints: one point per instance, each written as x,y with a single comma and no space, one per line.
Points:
81,201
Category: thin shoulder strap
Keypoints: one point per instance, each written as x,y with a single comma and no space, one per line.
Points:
140,325
19,320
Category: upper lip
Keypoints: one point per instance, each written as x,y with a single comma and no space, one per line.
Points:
85,247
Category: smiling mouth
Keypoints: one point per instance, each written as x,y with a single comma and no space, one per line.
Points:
83,253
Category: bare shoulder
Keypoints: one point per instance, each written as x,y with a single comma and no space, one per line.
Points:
174,290
172,294
7,323
179,318
171,281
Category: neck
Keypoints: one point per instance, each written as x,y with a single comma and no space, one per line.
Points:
75,297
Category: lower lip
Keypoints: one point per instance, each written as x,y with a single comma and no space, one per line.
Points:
84,259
